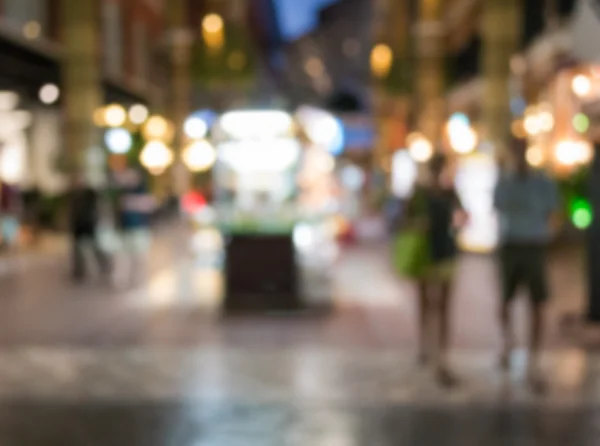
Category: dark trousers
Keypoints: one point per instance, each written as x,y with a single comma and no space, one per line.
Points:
79,242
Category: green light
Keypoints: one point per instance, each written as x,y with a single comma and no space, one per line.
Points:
581,214
581,122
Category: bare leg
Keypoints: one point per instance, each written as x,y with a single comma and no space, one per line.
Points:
445,376
507,337
424,326
535,343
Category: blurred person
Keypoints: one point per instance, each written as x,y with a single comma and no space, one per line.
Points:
526,201
10,211
436,212
83,219
32,214
135,208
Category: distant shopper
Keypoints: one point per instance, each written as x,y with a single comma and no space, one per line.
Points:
135,209
526,200
84,216
431,219
10,212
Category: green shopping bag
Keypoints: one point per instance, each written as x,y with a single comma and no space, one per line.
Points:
411,253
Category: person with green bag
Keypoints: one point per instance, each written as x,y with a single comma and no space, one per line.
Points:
425,251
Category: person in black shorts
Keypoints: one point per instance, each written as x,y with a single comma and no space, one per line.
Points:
525,200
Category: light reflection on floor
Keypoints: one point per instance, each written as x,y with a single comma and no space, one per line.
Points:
180,287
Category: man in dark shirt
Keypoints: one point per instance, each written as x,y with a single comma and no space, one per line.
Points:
83,221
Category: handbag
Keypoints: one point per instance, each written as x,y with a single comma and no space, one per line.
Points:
411,253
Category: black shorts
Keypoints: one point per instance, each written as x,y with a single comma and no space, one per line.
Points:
524,265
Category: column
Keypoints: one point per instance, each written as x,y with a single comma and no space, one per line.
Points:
430,70
593,251
81,82
180,107
501,31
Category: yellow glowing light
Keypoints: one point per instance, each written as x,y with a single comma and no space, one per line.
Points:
546,121
464,140
115,115
138,114
535,156
199,156
420,148
532,125
156,157
32,30
581,85
213,31
567,153
158,128
212,23
381,60
585,152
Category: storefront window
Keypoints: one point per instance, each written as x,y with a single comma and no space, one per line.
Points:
29,16
113,37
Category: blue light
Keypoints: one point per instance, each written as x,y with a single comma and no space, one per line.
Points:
337,144
518,106
208,116
459,120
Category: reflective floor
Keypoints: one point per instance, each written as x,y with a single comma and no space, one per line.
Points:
297,397
156,365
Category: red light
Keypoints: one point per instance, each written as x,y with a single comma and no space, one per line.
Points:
193,202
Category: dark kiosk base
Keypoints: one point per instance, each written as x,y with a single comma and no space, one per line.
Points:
261,275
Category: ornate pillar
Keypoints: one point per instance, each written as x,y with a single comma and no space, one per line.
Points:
430,70
81,82
501,32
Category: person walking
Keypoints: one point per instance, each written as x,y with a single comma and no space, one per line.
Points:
525,200
10,212
135,209
84,203
436,212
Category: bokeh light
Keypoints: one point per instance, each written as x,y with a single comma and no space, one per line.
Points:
535,156
118,140
199,156
138,114
581,85
115,115
212,23
420,148
546,121
49,94
581,122
381,60
157,128
156,157
582,214
195,128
